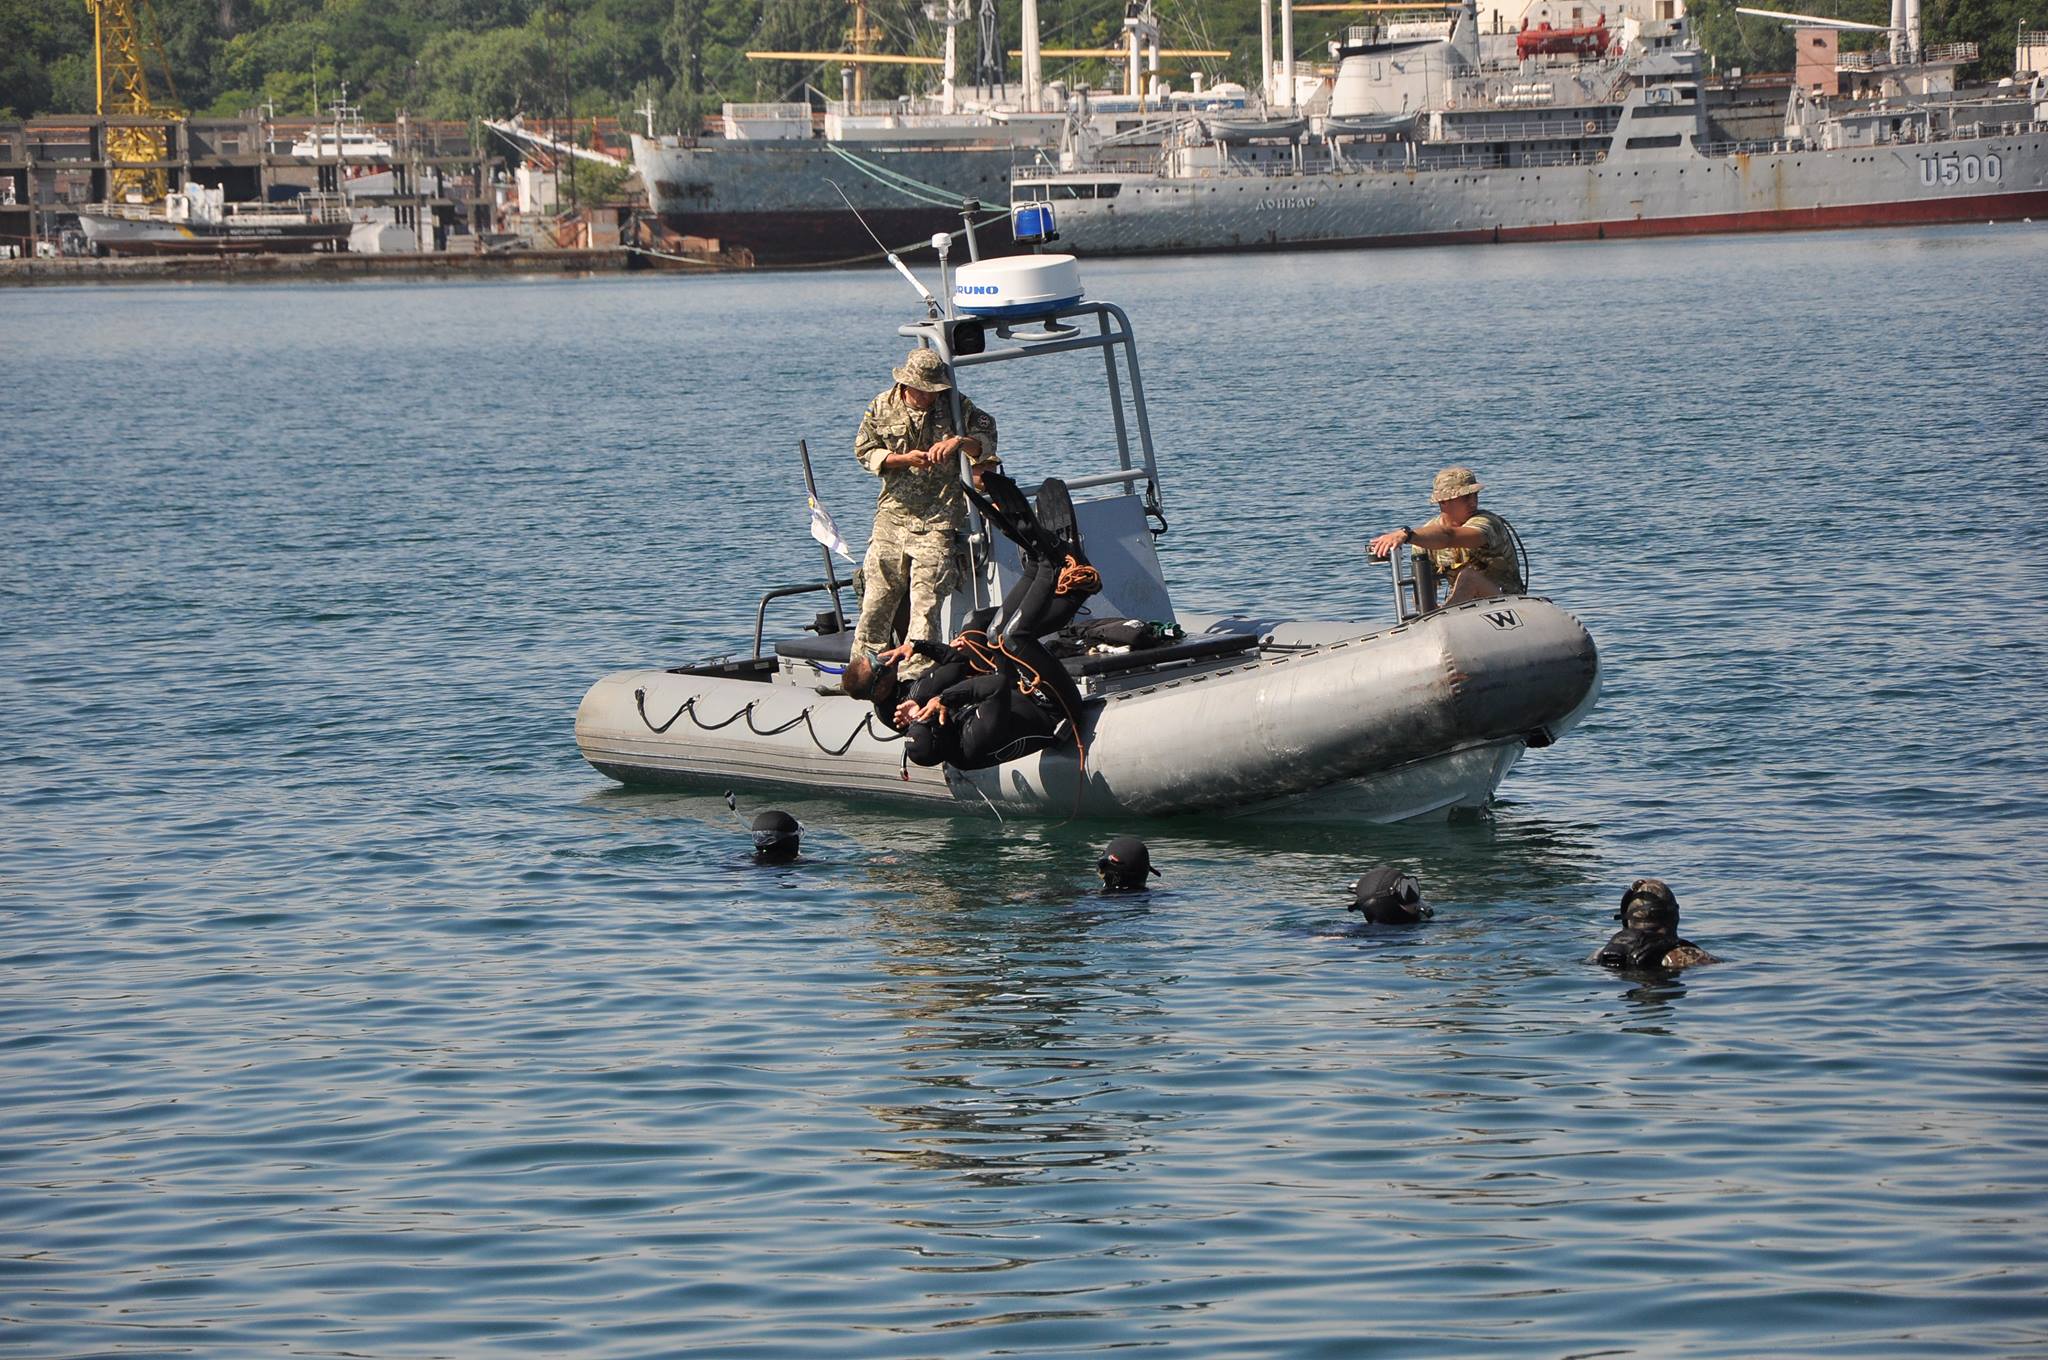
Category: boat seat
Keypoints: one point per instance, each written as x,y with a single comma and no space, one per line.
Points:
1188,649
833,649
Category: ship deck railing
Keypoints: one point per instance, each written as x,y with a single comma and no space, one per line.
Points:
1523,130
326,211
1323,164
1920,135
1935,54
789,112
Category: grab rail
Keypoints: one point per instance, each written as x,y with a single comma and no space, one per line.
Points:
1415,592
780,592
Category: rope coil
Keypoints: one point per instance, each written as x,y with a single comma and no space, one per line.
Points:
1077,575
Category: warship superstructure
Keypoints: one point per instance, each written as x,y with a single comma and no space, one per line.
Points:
778,180
1575,135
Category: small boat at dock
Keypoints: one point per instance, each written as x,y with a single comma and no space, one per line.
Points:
1233,715
195,221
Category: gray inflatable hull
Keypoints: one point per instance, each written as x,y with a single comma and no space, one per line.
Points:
1332,723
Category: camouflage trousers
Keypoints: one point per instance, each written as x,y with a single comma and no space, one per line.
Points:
904,558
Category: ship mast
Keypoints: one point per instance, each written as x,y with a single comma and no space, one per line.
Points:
1032,76
860,49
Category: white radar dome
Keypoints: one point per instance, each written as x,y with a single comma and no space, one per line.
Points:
1019,286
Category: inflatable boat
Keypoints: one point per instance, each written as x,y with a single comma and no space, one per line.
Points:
1225,716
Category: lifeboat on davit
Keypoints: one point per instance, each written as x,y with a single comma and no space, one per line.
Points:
1587,41
1234,715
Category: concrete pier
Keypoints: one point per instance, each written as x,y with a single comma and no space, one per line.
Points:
325,267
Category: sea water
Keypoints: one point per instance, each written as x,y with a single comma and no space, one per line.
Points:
346,1011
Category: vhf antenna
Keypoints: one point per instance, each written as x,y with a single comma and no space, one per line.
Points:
931,303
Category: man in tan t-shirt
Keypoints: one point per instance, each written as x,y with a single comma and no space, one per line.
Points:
1471,548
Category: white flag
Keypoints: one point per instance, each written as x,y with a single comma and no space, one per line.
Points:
826,532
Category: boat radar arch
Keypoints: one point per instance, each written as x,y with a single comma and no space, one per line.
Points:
1017,287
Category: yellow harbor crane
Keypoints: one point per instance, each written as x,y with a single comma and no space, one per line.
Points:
122,85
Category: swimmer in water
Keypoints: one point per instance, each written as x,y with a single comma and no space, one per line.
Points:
777,837
1125,866
1387,897
1649,934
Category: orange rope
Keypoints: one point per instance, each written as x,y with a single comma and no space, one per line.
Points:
1037,683
1077,576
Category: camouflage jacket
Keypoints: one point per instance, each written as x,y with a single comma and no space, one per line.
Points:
928,497
1496,557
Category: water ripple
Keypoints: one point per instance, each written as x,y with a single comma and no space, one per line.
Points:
349,1013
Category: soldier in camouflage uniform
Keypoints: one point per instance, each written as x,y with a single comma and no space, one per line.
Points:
1463,539
907,438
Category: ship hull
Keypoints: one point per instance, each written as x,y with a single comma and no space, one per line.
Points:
126,236
2000,178
1372,726
780,201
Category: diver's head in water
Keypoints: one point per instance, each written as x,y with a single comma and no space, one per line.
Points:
1386,896
1649,905
1125,866
777,837
1648,937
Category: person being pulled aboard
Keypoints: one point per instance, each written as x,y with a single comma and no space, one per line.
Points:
967,709
908,438
1471,548
1055,580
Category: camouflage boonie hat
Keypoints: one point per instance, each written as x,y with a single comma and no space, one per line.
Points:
925,371
1452,483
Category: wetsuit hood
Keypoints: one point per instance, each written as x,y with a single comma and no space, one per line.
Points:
1386,896
777,836
1125,864
1649,902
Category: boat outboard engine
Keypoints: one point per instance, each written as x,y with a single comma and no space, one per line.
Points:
777,836
1385,896
1125,865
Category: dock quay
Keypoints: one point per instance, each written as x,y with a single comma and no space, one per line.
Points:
440,178
341,265
419,198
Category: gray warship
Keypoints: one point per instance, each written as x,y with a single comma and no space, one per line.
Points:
778,180
1239,716
1579,134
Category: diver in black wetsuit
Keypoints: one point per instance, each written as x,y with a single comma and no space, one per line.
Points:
777,836
1649,934
1126,866
1385,896
987,700
1055,581
875,678
989,717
